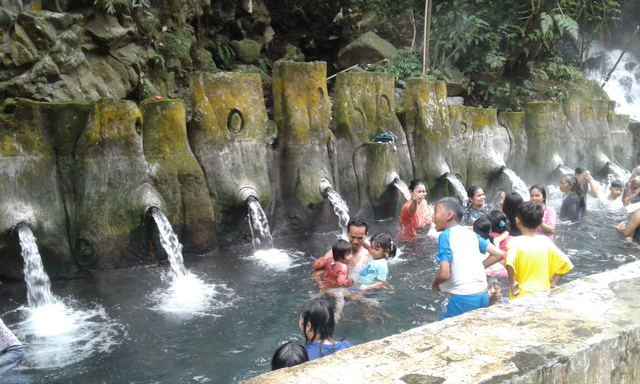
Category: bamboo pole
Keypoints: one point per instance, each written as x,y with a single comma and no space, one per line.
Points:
620,58
427,36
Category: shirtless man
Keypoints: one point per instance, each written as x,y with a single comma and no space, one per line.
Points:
586,182
357,230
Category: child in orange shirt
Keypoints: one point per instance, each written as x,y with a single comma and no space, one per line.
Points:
335,272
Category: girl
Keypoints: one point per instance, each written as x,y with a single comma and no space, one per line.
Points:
483,228
317,323
511,203
574,206
415,214
288,355
335,272
538,194
374,274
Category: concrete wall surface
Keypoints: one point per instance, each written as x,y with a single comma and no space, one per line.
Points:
586,331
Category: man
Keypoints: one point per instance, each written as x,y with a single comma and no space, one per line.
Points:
586,182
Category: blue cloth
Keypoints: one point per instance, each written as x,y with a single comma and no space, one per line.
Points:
444,245
313,349
375,270
459,304
571,208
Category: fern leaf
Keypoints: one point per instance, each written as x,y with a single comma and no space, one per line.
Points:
546,23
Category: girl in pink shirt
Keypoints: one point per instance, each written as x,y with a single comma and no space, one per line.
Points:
538,194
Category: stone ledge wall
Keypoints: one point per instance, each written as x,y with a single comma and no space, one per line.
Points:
586,331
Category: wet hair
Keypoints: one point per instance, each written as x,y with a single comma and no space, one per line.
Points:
577,189
482,227
617,184
471,191
511,203
340,249
498,221
416,183
318,314
491,281
358,223
384,241
530,214
542,190
288,355
580,170
451,204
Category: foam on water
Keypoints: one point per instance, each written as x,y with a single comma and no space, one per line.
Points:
276,259
60,334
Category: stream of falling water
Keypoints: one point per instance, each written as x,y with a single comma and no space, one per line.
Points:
340,208
403,188
259,225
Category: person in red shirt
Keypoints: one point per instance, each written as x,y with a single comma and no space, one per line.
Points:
415,215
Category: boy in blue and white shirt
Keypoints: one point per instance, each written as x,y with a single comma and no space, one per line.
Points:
462,259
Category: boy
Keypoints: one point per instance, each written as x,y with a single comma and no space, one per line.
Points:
461,255
533,260
612,202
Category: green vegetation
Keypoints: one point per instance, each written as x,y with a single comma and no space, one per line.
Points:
404,65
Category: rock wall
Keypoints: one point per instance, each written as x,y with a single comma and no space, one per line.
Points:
587,331
83,175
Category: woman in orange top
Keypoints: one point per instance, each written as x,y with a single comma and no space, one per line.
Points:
415,213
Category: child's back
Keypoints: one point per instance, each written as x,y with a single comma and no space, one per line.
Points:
465,255
335,273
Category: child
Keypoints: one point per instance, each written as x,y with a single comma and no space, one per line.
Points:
335,272
612,202
374,274
499,232
533,260
483,228
317,323
462,261
495,292
11,350
288,355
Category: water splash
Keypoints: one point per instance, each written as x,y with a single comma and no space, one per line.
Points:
259,225
624,84
340,208
565,171
276,259
402,187
170,243
618,172
517,184
38,283
461,192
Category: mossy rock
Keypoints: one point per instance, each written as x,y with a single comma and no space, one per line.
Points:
293,53
367,49
247,50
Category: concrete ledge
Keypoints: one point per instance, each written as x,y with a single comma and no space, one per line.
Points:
587,331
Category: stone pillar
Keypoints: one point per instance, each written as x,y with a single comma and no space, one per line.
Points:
30,191
177,175
364,107
515,124
112,189
621,138
375,165
303,112
548,137
228,135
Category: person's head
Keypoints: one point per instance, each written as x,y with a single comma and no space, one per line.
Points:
495,293
448,212
482,227
530,215
288,355
357,230
498,221
418,189
317,321
581,174
476,196
511,203
538,194
341,251
382,246
616,189
568,183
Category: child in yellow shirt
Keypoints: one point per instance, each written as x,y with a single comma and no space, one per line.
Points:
534,263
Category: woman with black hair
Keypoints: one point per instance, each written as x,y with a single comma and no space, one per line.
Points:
573,206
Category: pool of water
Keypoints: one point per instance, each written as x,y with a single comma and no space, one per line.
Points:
224,324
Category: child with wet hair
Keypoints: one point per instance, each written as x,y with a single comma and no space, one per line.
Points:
317,323
495,292
534,263
374,273
614,200
288,355
484,229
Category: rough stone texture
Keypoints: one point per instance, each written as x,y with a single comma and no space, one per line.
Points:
30,191
634,129
247,51
587,331
478,146
517,159
228,134
366,49
303,111
621,137
112,189
293,53
177,175
548,138
363,108
427,127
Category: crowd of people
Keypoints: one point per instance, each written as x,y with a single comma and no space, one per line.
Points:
478,243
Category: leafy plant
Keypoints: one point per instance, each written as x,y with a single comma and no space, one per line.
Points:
226,54
265,65
403,66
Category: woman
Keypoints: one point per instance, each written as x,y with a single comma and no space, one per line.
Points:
573,206
509,207
476,207
631,230
538,194
415,213
631,184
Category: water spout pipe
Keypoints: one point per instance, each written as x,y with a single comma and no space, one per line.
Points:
604,160
391,178
245,192
556,161
324,185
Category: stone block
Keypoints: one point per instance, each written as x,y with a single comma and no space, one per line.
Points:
367,49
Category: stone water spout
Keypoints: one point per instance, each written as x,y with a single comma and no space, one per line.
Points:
258,222
340,207
452,186
400,185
